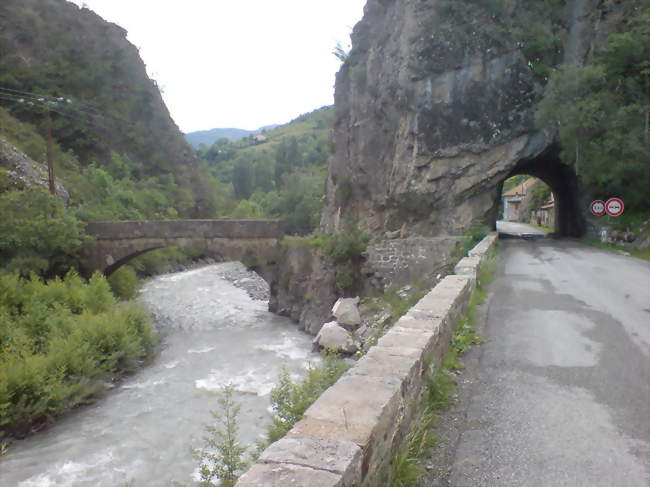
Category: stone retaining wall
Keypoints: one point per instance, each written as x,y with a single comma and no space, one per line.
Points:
349,436
401,261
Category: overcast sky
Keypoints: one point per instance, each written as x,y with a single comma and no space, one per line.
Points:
237,63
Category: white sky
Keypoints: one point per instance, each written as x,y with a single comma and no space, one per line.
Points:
237,63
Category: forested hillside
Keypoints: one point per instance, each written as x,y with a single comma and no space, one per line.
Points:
278,175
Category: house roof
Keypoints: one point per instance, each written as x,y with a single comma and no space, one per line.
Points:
521,189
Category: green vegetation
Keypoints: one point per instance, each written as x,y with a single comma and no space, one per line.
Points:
472,26
37,233
473,235
396,303
222,457
59,342
643,254
281,175
344,250
290,400
408,464
602,114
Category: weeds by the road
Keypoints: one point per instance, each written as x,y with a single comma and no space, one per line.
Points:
409,463
638,253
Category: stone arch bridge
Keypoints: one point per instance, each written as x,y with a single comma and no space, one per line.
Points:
116,243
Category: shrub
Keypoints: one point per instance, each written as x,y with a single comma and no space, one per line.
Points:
290,400
124,282
41,236
59,341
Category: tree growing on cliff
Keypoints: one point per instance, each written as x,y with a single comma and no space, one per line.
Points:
602,115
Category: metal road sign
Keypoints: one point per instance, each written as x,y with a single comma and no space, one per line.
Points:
614,207
597,207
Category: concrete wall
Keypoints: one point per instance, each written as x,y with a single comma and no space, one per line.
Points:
350,435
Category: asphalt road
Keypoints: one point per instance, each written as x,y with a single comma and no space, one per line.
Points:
559,395
514,228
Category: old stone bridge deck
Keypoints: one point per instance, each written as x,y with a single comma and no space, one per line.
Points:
116,243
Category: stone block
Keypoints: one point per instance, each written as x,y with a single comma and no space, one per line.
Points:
356,408
336,456
284,475
468,266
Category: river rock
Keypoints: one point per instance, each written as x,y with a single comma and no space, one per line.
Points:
346,312
333,336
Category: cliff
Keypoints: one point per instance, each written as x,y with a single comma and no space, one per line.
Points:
54,48
435,109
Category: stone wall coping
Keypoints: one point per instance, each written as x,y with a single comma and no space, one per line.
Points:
125,230
348,437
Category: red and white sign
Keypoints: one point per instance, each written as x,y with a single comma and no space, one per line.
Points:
597,207
614,207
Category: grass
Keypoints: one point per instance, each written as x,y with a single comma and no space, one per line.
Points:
397,304
408,466
643,254
317,123
541,227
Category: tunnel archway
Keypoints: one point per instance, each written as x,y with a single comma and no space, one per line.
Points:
564,184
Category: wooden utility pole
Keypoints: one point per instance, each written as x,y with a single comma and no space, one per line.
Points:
48,151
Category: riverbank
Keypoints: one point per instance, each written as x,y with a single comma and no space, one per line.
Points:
140,432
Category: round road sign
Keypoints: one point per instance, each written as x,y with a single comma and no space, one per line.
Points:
597,207
614,207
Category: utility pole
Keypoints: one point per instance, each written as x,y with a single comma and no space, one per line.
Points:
48,151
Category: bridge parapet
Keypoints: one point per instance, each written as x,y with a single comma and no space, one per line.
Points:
185,229
116,243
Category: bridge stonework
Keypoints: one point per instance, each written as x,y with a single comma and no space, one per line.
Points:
116,243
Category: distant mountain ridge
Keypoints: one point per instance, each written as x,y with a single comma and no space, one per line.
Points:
209,137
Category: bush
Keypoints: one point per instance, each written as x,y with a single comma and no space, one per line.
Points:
341,247
124,282
290,400
59,341
40,236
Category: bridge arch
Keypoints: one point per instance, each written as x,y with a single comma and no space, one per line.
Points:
564,184
117,243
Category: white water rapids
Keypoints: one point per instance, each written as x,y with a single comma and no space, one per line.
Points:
140,432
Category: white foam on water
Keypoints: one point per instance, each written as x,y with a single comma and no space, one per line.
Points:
171,365
253,381
70,474
149,384
288,348
201,350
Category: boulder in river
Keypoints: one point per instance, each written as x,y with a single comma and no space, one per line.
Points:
334,337
346,312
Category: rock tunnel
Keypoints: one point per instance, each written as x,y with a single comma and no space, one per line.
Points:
563,181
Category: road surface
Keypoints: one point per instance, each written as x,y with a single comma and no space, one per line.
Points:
518,229
559,395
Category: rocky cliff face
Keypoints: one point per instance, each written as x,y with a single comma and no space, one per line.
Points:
53,47
435,109
19,172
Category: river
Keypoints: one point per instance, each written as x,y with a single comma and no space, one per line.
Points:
141,431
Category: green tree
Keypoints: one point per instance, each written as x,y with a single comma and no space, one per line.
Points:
37,233
602,115
221,458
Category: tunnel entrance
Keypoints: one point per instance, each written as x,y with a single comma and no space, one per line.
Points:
561,211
